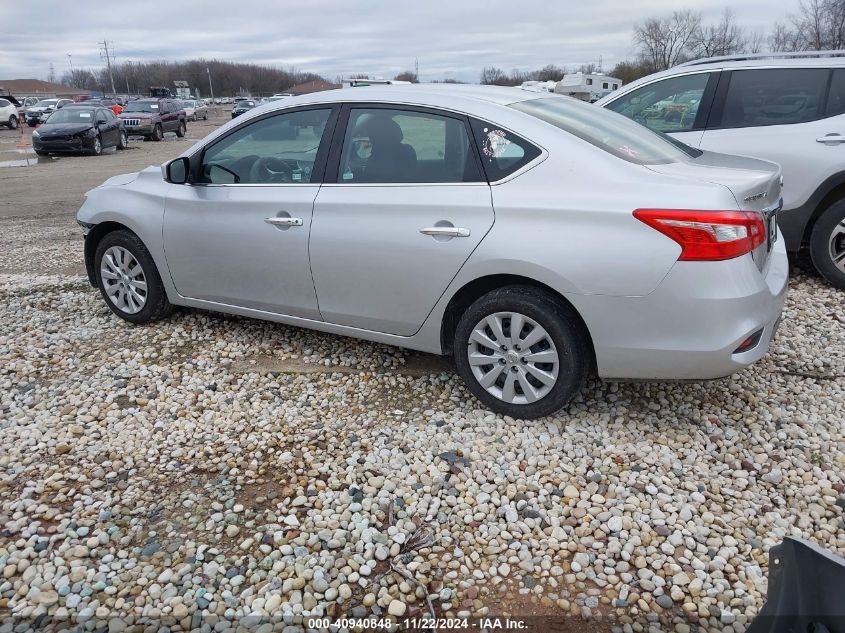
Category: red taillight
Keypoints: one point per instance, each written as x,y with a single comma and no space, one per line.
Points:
708,235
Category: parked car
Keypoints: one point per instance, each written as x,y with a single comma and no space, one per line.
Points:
8,113
43,109
195,110
242,106
280,95
788,108
84,127
151,118
532,236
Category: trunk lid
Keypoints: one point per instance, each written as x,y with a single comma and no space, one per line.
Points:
754,183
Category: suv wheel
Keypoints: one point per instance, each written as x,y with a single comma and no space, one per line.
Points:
13,122
827,244
128,279
521,352
180,131
158,134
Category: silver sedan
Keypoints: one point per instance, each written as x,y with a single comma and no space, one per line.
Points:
535,238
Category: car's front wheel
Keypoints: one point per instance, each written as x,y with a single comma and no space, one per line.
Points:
827,244
158,133
128,278
97,147
521,352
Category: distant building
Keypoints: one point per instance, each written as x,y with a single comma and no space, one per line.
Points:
318,85
587,86
20,88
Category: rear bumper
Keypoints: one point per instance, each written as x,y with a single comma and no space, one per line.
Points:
690,326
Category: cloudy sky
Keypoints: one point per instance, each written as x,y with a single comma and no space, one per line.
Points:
451,38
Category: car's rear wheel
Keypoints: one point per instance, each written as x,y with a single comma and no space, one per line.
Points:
827,244
180,131
158,134
205,116
122,141
13,122
128,279
521,352
97,147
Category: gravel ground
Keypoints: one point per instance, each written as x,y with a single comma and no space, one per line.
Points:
211,471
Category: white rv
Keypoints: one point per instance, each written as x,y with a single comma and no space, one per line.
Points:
587,86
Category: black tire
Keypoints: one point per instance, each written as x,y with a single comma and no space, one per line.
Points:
157,305
122,141
827,241
563,326
39,152
158,133
13,122
205,117
180,131
97,148
31,124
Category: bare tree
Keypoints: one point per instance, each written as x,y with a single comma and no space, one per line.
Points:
663,42
784,38
755,41
80,78
820,25
493,75
725,37
408,75
550,72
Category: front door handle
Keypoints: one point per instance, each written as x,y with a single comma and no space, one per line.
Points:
284,221
832,138
445,231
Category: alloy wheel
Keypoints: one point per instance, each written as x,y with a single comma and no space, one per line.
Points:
123,280
836,246
513,357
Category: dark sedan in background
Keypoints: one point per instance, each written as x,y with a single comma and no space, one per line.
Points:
243,106
79,128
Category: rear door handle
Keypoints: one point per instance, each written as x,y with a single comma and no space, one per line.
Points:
831,138
446,231
284,221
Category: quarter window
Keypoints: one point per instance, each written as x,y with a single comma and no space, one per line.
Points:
392,146
776,96
836,98
279,149
670,105
502,152
3,103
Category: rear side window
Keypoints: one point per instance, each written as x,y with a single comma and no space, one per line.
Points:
670,105
405,146
836,97
502,152
3,103
774,96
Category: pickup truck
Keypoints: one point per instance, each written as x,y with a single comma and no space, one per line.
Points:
151,118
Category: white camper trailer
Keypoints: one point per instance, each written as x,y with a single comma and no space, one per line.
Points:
587,86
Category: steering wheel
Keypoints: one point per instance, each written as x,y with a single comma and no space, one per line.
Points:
269,169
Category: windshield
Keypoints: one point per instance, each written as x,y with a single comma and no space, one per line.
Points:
141,106
71,115
612,132
245,104
46,103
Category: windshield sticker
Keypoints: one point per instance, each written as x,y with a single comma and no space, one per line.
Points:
154,106
495,143
84,115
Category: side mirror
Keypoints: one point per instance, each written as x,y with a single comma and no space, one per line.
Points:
177,170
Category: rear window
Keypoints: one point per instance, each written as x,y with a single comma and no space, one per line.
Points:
612,132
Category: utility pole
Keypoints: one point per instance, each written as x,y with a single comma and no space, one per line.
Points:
70,62
52,76
210,89
104,52
417,68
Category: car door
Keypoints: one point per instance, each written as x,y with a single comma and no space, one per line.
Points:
403,207
238,234
108,129
677,105
782,115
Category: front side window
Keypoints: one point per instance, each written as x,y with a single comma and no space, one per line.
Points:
774,96
670,105
393,146
614,134
280,149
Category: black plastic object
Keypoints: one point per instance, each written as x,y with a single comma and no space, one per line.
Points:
806,591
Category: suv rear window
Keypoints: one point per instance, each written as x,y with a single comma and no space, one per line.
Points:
612,132
774,96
